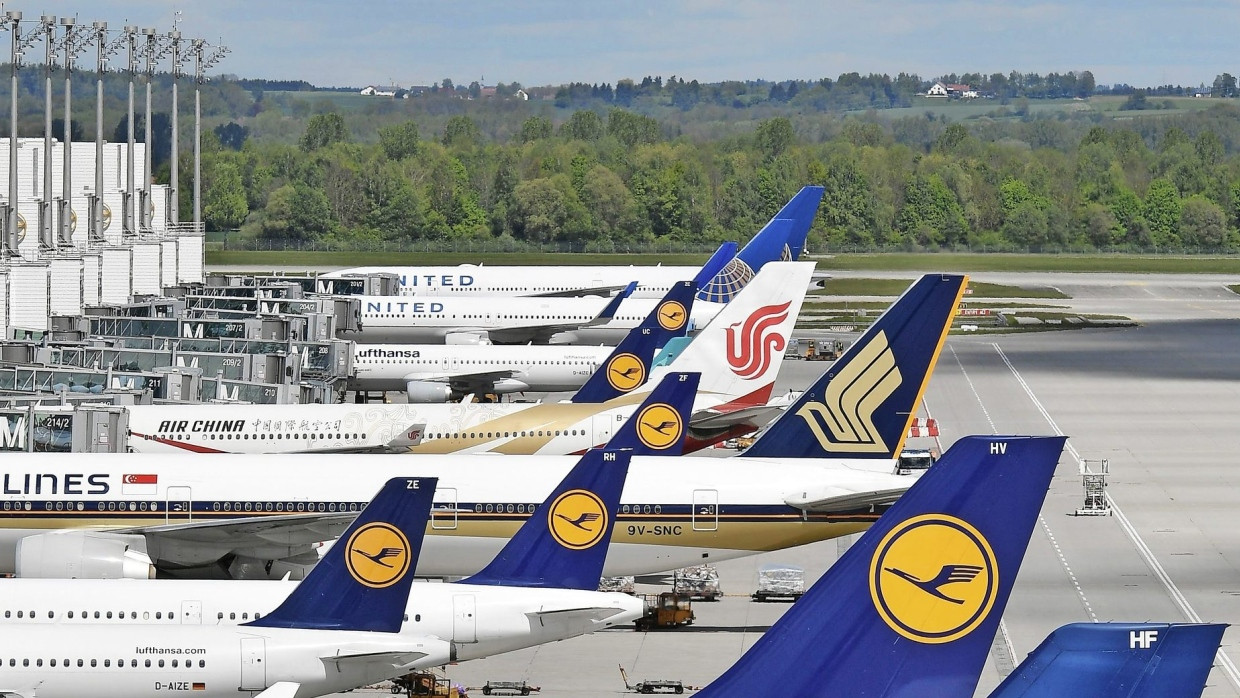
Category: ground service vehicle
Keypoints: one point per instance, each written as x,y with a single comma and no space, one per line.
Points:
666,610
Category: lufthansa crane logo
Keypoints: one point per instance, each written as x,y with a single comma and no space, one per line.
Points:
844,420
659,426
577,519
934,578
625,372
377,555
672,316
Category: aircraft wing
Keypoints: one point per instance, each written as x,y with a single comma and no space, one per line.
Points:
280,689
713,420
196,543
573,293
839,499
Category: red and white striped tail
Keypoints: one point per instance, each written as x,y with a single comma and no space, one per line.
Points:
923,427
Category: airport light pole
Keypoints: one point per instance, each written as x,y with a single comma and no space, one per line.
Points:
154,50
13,19
75,40
103,50
47,25
201,64
129,228
173,208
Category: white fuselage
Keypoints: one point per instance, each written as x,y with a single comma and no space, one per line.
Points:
481,280
478,621
505,369
673,512
135,661
508,320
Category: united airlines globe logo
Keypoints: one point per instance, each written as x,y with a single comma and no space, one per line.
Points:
934,578
377,555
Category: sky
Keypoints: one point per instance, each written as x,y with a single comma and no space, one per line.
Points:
549,42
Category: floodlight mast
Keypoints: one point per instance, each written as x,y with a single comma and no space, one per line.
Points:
154,50
130,228
47,24
103,49
173,208
201,65
75,40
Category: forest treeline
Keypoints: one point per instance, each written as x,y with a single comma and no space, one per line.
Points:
598,180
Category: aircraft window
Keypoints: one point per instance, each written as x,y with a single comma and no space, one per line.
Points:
268,506
216,506
53,662
134,663
248,506
146,615
158,615
133,615
70,614
331,507
227,506
301,506
417,618
174,664
148,663
38,662
51,614
25,662
232,616
96,614
219,616
509,508
646,509
109,615
80,662
19,614
94,663
477,509
245,616
658,509
490,508
257,616
8,614
202,663
108,663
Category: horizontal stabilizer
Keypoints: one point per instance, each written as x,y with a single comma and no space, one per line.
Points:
832,500
282,689
395,659
410,436
574,616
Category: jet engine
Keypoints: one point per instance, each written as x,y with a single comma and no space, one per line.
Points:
428,391
84,555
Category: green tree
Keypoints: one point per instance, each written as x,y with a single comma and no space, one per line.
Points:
931,215
322,130
1202,223
535,128
615,210
1162,211
951,138
224,205
583,125
461,132
631,129
775,136
400,140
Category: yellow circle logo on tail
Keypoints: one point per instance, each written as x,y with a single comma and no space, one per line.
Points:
577,519
377,555
659,426
672,316
625,372
934,578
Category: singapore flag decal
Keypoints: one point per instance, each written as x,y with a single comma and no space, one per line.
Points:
751,348
139,484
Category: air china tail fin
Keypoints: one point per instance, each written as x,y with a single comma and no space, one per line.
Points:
1117,660
912,608
363,581
782,238
609,311
739,352
861,407
563,544
628,366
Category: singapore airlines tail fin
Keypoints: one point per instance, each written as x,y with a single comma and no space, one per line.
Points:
564,542
1118,660
740,351
912,608
861,407
782,238
628,366
363,581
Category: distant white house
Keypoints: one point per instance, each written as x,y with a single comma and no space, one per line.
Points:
521,94
938,89
377,91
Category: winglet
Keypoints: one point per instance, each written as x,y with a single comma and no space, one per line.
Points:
628,365
363,581
1132,660
913,606
564,542
609,311
861,407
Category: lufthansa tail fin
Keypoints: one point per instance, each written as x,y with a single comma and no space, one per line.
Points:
1117,660
861,407
912,608
363,581
563,544
628,365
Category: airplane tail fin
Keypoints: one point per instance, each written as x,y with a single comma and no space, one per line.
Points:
1128,660
911,609
628,365
715,264
609,311
740,351
563,544
861,407
782,238
363,581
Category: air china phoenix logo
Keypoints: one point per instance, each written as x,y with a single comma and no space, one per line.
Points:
844,420
752,346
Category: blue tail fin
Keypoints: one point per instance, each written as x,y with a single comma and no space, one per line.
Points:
628,365
563,544
912,608
1117,660
862,405
767,246
363,581
782,238
801,208
715,264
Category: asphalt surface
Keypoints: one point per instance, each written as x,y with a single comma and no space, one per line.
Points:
1160,403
